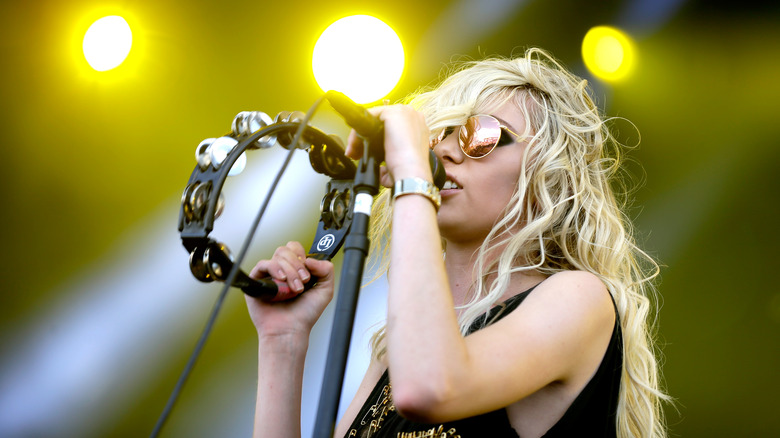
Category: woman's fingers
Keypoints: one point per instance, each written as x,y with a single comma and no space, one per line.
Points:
290,262
354,148
385,178
405,142
287,264
322,269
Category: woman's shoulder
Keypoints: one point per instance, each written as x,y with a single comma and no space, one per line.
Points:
577,285
581,286
569,297
576,276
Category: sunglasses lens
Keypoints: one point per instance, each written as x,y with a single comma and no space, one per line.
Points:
479,136
438,138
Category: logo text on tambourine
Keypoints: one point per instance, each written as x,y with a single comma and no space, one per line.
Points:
326,242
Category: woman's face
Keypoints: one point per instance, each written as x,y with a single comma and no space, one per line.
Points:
483,186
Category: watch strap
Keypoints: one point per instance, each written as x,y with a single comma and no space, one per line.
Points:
417,186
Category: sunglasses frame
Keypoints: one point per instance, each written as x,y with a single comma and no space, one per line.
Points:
501,128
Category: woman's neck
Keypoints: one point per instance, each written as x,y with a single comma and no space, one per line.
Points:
459,263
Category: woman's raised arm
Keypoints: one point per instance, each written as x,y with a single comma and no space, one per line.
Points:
283,330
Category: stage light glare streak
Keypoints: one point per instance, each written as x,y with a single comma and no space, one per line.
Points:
107,43
645,16
97,348
360,56
474,21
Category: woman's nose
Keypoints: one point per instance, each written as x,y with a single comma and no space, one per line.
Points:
448,149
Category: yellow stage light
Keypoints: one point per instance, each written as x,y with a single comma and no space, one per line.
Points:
107,42
608,53
360,56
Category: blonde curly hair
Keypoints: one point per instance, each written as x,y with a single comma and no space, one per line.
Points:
563,215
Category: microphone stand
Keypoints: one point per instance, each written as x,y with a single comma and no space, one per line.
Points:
356,247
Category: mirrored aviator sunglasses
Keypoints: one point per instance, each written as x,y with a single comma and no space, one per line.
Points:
478,136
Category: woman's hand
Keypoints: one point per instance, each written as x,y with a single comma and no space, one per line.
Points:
283,329
406,144
296,314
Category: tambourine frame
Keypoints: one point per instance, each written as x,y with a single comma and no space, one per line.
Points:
201,204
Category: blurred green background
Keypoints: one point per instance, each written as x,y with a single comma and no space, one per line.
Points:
99,310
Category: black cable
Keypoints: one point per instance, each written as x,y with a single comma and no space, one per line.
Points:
231,277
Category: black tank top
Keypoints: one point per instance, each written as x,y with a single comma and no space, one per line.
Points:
591,414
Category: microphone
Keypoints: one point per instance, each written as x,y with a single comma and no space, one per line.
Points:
369,126
363,122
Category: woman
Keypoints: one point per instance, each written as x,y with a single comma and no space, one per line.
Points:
518,308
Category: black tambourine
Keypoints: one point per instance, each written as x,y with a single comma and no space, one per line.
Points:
202,201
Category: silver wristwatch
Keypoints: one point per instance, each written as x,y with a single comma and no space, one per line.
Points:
417,186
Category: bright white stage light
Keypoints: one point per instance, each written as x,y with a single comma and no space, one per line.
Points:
107,42
360,56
